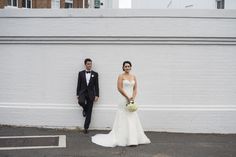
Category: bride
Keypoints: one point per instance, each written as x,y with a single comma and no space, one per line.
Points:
127,129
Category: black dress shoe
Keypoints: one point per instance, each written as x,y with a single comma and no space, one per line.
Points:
85,131
84,113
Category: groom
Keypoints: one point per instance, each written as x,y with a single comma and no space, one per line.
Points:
87,91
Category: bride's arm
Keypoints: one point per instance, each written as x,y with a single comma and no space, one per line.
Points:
135,88
120,87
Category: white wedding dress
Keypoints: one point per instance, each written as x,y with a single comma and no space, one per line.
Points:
127,129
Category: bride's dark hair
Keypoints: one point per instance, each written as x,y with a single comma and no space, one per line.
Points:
126,62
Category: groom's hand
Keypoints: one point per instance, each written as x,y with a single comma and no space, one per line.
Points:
96,98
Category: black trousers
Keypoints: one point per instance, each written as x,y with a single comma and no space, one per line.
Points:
87,104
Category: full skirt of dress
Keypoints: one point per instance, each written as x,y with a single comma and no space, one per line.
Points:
127,130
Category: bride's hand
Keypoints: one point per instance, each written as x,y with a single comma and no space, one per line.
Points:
131,99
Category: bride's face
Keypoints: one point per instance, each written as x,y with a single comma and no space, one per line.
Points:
127,68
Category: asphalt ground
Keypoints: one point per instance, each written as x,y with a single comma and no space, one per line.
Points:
79,144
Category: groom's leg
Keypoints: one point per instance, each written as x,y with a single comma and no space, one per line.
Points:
89,108
82,101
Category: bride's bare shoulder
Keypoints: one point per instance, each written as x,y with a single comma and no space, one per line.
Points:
133,76
120,76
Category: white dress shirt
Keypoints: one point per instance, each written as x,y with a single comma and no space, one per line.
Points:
88,76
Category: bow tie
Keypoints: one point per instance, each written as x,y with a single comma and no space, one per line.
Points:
88,71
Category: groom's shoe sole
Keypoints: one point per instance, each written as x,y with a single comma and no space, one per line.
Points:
85,131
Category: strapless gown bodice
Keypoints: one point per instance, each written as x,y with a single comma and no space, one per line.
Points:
128,86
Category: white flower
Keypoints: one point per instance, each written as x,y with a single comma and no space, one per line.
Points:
131,106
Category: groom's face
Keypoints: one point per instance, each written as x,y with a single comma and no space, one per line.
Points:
88,65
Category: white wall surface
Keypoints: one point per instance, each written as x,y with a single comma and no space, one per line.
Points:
184,61
180,4
230,4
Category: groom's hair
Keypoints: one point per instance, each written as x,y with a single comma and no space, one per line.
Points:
126,62
87,60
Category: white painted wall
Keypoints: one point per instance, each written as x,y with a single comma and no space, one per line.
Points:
180,4
230,4
184,61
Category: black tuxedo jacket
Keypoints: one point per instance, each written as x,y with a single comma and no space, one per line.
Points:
92,88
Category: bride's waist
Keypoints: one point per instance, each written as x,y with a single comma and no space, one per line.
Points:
129,94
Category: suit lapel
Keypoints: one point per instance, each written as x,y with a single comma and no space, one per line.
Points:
84,75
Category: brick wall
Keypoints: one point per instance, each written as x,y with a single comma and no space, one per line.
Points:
47,3
41,3
62,3
3,3
78,4
19,3
35,3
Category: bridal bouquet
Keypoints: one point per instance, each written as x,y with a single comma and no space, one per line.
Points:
131,106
